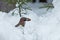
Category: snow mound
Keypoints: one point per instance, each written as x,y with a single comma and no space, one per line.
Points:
8,31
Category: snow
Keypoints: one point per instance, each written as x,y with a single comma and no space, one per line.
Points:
8,31
50,23
36,8
46,27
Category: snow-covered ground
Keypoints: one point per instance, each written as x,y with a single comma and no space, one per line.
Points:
46,27
36,8
8,31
